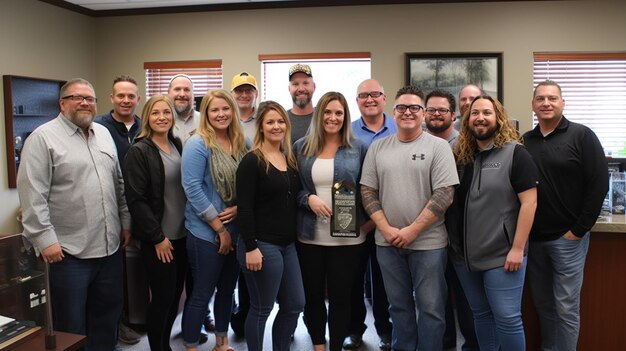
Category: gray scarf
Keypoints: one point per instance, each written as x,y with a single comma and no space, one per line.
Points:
223,171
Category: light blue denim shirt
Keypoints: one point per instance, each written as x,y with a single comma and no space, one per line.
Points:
203,201
347,166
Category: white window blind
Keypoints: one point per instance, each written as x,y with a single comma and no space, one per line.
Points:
338,71
206,75
594,90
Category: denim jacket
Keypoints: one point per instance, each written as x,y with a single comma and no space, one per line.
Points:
347,166
203,201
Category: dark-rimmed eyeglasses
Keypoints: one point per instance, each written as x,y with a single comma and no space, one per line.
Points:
373,94
442,111
411,108
81,98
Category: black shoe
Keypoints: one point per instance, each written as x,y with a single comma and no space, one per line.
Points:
203,338
385,342
352,342
209,324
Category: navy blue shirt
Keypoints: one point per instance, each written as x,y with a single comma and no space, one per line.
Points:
122,136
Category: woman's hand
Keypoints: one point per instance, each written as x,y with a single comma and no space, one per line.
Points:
228,215
514,260
254,260
225,241
319,207
164,251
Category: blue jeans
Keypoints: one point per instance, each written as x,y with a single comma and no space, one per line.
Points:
210,270
415,279
555,275
464,315
279,280
495,297
87,298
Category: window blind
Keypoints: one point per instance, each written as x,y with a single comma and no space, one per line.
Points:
594,90
206,75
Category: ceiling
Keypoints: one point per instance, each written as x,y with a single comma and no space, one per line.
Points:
98,5
103,8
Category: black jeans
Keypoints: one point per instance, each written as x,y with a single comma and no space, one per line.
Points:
328,270
166,282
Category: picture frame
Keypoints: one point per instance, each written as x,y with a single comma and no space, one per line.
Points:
453,71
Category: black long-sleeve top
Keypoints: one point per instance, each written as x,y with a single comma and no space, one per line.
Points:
266,203
573,180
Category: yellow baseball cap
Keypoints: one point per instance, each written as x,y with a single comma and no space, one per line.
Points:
242,79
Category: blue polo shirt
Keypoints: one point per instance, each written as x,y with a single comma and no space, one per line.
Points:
368,136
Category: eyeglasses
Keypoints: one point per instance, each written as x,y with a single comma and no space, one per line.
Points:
442,111
80,98
412,108
373,94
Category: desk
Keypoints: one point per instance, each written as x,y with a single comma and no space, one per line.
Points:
65,342
602,299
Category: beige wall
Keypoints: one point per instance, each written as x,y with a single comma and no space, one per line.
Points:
123,44
39,40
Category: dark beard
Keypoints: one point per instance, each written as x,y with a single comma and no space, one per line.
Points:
438,129
485,136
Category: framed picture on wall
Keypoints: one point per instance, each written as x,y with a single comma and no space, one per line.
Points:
452,71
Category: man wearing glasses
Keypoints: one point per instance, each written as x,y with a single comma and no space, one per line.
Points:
74,213
374,124
439,117
407,184
244,90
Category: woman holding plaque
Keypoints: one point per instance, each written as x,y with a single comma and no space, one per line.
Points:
267,186
330,217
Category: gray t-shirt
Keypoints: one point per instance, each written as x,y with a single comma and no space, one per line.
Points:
173,222
406,174
299,125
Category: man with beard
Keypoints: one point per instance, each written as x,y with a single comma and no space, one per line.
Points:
374,124
407,184
573,181
440,115
466,96
71,191
244,90
180,91
301,88
497,198
124,125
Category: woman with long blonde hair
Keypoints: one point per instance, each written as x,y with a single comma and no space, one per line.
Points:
209,165
156,202
329,155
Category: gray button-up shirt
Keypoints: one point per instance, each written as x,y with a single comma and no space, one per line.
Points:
71,190
185,128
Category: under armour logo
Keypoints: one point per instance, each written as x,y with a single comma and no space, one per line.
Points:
421,157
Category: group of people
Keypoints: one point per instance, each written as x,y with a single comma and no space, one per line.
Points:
296,206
